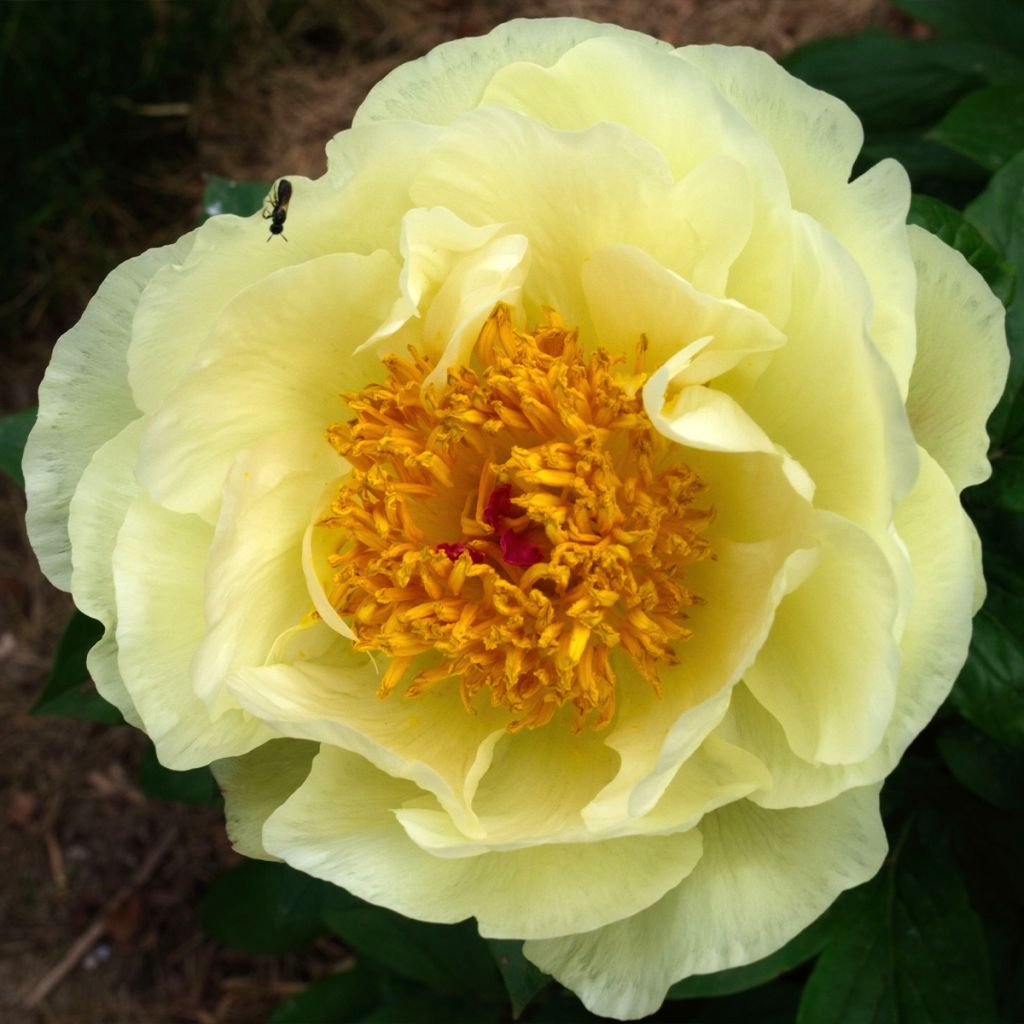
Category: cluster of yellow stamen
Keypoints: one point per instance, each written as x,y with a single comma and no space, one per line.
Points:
511,529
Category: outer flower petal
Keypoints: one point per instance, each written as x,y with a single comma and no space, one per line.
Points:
962,360
340,825
451,78
497,166
253,595
764,876
829,669
430,740
941,544
256,784
84,400
816,137
159,590
828,397
283,347
672,313
98,507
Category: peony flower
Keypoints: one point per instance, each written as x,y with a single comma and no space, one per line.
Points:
561,528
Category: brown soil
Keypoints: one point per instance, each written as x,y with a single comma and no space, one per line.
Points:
76,826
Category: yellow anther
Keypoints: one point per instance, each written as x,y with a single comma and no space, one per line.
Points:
514,525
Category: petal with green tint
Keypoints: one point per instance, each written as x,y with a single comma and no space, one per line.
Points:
431,739
671,314
495,165
763,877
283,347
255,590
453,276
256,784
340,826
828,671
816,137
962,360
451,79
828,397
84,401
98,508
159,587
655,735
940,543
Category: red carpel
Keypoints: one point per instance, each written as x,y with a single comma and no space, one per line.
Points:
454,550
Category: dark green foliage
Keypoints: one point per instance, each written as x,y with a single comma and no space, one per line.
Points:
522,980
351,996
263,907
987,126
954,229
196,786
241,198
908,950
447,958
14,430
68,690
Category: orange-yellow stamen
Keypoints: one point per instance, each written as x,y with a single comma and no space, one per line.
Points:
514,528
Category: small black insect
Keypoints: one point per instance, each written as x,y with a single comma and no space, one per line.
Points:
278,199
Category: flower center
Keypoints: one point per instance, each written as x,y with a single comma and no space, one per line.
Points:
515,527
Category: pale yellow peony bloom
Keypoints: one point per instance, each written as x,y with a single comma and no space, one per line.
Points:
641,504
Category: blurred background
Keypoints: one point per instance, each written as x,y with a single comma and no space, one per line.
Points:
115,114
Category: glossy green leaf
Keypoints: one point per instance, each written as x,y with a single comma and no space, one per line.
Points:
1006,488
987,126
68,690
908,950
448,958
997,22
339,997
14,430
769,1004
241,198
809,943
911,82
948,224
522,979
990,690
196,786
984,766
263,907
999,214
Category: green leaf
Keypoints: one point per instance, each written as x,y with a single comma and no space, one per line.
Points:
987,126
809,943
983,766
242,198
196,786
908,950
770,1004
68,690
990,690
522,979
1006,487
14,430
997,22
340,997
911,82
999,214
448,958
262,907
948,224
